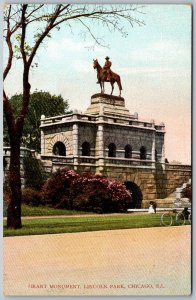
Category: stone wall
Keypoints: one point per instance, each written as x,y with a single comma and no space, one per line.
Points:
159,146
128,136
87,133
24,153
64,135
154,183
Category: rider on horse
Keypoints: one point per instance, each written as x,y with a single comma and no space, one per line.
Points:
106,69
105,74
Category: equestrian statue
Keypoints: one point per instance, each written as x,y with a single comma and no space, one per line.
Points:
106,75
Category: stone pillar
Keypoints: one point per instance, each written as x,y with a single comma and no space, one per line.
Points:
42,137
75,145
153,150
42,143
163,156
100,148
100,141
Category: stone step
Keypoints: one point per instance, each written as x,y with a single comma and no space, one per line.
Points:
161,203
172,195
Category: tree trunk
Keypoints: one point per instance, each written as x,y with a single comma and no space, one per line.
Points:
14,181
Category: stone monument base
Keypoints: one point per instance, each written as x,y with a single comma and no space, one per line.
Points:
108,105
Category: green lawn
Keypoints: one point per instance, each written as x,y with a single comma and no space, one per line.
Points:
48,211
81,224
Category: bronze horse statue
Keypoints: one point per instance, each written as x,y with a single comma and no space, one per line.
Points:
102,77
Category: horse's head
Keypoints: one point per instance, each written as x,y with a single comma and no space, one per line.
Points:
95,63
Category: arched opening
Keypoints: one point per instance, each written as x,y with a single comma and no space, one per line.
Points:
136,194
86,149
128,151
112,150
156,155
59,149
142,152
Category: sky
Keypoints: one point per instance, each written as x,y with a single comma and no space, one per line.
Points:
154,62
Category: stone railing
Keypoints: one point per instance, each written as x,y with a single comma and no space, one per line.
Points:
24,152
58,159
92,160
56,119
178,167
87,160
118,120
128,162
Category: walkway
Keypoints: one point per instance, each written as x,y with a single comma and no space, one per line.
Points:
148,261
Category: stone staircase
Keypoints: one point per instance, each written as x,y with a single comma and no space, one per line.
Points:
174,200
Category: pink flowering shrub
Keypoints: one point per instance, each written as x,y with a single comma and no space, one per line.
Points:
68,189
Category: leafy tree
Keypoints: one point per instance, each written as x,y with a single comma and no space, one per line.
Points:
19,19
41,103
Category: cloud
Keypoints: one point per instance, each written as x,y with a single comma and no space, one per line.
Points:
167,51
151,70
71,46
83,66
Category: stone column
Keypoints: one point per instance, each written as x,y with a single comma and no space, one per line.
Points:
42,137
100,141
42,143
163,156
75,145
100,150
153,150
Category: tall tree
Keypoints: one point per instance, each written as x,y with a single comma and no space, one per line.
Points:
18,20
41,103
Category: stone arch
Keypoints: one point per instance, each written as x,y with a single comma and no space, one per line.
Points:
86,149
59,138
59,149
137,195
143,152
111,150
109,140
86,134
128,151
156,155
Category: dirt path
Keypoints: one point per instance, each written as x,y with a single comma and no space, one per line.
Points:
148,261
78,216
83,215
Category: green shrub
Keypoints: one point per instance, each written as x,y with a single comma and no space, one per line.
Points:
34,173
31,197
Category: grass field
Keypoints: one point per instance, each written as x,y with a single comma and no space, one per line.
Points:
81,224
48,211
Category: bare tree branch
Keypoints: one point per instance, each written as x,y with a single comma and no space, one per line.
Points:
44,34
23,24
34,10
97,40
8,41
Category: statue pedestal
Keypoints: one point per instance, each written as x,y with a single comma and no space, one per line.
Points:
107,105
